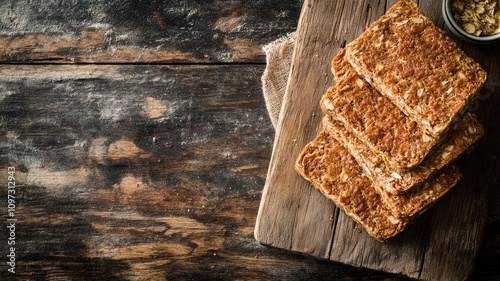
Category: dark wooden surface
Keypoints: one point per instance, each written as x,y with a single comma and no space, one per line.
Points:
141,142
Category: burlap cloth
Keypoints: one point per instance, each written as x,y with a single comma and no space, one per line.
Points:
275,79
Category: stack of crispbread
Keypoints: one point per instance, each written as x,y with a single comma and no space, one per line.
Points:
394,122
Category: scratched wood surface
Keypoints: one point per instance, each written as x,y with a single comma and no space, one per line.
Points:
186,31
127,170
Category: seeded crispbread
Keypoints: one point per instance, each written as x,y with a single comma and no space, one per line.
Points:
412,62
333,171
461,140
374,119
404,207
348,106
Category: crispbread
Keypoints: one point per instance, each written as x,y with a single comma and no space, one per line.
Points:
431,185
374,119
405,206
333,171
459,141
411,204
412,62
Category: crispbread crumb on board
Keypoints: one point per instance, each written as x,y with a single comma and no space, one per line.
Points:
412,62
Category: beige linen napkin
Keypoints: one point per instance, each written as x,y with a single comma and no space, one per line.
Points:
275,79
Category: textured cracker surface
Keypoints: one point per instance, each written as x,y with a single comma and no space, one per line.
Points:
412,62
459,141
402,205
332,170
374,119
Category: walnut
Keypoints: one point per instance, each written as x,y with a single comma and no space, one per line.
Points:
477,17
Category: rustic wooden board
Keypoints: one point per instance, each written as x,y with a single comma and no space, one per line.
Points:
443,243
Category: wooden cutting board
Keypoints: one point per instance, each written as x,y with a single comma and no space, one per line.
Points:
443,243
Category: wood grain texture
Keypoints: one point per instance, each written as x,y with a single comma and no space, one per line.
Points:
287,188
142,31
137,169
437,246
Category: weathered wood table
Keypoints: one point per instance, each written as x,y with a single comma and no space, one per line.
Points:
135,143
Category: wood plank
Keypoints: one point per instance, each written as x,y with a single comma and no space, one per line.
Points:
437,246
284,191
402,255
142,31
487,261
140,169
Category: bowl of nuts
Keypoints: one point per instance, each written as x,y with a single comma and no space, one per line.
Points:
474,21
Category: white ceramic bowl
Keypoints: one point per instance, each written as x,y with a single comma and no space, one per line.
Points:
458,31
